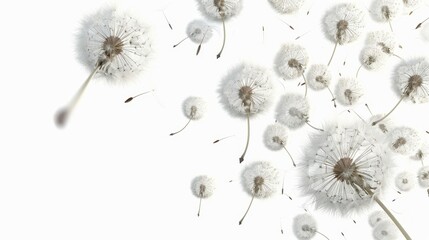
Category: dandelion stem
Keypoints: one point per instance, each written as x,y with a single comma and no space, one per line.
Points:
248,137
333,52
291,158
385,116
224,36
171,134
131,98
315,128
199,46
64,113
357,72
321,234
248,208
332,95
199,206
366,105
381,204
305,83
180,42
390,25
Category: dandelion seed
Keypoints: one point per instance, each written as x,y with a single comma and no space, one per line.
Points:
112,44
404,140
246,91
138,95
319,77
344,24
412,81
198,32
376,217
305,227
348,91
168,22
291,62
383,40
194,108
385,230
287,6
260,180
387,10
421,23
287,24
275,138
423,176
293,110
405,181
202,187
422,152
220,10
220,139
345,171
372,58
379,130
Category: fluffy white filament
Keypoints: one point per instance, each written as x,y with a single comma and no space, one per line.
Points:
304,226
275,136
318,76
385,230
291,61
194,107
260,179
423,176
287,6
386,10
247,88
412,80
292,110
337,162
345,23
405,181
203,186
117,42
219,9
376,217
348,91
404,140
199,31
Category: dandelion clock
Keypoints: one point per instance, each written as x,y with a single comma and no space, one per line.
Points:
198,32
344,24
202,187
345,171
305,227
245,92
411,82
194,108
260,180
114,45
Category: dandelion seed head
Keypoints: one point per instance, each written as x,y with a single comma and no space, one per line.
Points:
199,31
304,226
318,76
219,9
292,110
345,23
412,80
247,89
116,42
423,176
287,6
339,163
348,91
410,5
385,230
291,61
381,129
194,107
386,10
376,217
275,136
203,186
404,140
422,153
260,179
385,40
372,58
405,181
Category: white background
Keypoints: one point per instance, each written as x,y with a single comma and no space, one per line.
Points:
115,173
